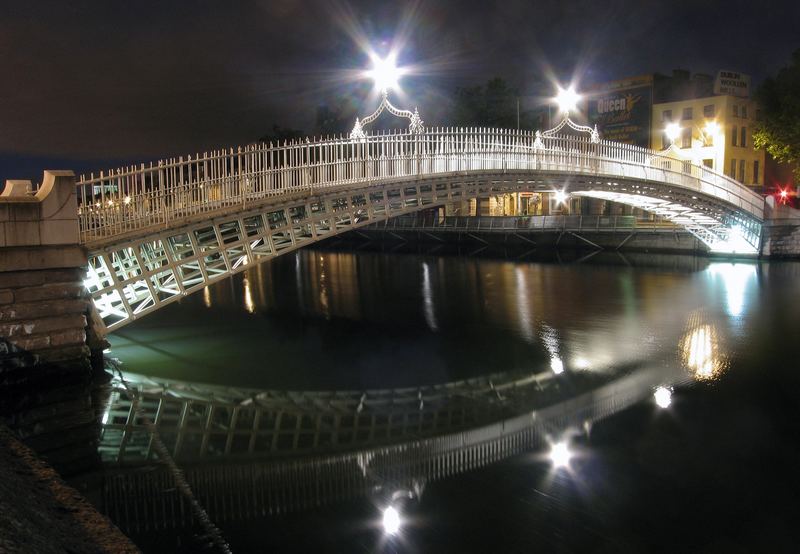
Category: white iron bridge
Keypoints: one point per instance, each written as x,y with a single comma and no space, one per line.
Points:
160,231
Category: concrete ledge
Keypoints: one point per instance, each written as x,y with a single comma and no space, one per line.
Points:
48,218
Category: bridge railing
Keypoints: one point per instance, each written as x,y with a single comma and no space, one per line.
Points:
152,196
524,223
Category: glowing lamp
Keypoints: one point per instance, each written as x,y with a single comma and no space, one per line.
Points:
557,366
385,73
560,196
391,520
712,128
673,131
567,99
560,455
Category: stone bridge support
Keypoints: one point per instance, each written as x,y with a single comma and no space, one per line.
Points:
45,361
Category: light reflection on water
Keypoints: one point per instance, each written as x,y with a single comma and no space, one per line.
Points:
355,320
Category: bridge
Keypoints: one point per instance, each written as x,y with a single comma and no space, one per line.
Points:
250,452
159,231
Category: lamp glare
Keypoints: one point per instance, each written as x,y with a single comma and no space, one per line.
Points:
391,520
385,73
567,99
560,455
663,397
673,131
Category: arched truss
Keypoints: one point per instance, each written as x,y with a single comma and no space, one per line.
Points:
131,278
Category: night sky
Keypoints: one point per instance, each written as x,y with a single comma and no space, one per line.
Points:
90,84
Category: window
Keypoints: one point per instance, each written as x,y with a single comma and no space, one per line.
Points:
734,136
666,115
687,113
708,111
686,138
743,141
755,172
733,169
709,163
741,171
744,112
736,110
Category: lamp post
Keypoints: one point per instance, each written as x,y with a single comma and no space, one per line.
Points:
386,76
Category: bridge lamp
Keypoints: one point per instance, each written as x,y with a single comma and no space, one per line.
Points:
663,397
673,131
567,99
560,454
385,72
391,521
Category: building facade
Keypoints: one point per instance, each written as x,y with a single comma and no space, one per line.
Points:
716,131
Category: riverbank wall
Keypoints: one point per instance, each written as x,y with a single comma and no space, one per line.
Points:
46,372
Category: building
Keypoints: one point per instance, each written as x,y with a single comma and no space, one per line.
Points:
716,131
712,118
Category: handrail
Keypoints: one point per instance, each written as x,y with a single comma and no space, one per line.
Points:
144,196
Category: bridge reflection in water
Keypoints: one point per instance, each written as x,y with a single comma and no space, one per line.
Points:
248,453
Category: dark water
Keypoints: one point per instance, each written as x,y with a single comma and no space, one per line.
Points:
715,472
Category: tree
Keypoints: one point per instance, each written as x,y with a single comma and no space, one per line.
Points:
779,130
492,105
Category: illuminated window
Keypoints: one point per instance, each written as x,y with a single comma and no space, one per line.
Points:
734,136
756,171
742,177
708,111
743,141
686,138
666,115
687,113
733,169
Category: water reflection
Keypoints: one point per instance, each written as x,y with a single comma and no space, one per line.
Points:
375,320
738,281
250,452
702,351
366,371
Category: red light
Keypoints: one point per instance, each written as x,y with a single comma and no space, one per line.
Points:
784,193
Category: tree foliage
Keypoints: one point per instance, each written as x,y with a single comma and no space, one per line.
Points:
491,105
779,130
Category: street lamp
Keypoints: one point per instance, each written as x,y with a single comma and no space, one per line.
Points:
385,72
386,76
673,131
567,99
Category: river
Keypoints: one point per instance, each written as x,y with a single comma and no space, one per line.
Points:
712,471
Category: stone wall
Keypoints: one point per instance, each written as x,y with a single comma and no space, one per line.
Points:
45,361
781,235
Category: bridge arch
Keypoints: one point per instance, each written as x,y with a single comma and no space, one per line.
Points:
159,232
